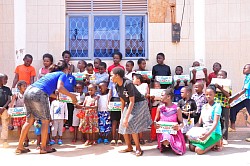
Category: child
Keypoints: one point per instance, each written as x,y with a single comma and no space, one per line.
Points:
216,69
155,103
102,75
141,64
177,86
161,69
76,120
25,72
89,123
188,107
168,112
117,57
210,119
222,98
129,70
199,98
69,84
66,55
5,79
81,65
5,99
194,80
59,114
18,101
47,62
97,62
144,90
104,122
115,116
245,103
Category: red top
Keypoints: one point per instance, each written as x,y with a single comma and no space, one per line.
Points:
96,70
210,76
110,68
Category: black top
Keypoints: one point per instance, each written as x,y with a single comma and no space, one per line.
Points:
161,70
5,92
190,105
128,89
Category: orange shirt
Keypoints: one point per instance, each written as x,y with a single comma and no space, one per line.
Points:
25,72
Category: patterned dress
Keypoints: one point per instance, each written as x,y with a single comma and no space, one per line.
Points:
177,142
19,103
89,118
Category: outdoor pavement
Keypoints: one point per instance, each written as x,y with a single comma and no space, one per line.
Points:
236,153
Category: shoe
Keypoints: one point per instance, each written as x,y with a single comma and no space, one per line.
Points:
60,142
20,151
119,142
224,142
248,139
231,129
66,126
138,153
6,145
94,143
112,142
71,129
142,142
99,141
88,142
63,130
10,127
52,142
106,141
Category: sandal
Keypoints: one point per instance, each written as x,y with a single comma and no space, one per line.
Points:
47,151
126,150
138,153
88,142
26,143
20,151
119,142
112,142
142,142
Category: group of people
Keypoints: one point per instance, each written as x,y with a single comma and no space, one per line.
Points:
187,103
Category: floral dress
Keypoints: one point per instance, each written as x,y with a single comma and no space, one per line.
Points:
89,117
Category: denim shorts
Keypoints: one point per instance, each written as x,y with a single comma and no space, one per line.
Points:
36,102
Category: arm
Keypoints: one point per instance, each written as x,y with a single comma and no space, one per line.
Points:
177,84
122,103
222,90
52,111
194,76
13,101
205,73
66,112
157,115
15,80
180,121
61,89
237,95
32,78
129,109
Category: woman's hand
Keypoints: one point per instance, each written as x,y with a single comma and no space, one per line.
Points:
73,98
125,123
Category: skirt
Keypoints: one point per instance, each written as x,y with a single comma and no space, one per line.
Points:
139,119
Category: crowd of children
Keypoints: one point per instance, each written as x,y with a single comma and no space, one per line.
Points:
182,101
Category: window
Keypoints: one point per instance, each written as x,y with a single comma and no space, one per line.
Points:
102,29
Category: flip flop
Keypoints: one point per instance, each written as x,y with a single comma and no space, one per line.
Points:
126,150
138,153
20,151
47,151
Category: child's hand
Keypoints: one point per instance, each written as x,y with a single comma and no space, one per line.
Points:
145,77
178,81
176,127
185,82
194,71
205,71
152,97
125,123
157,126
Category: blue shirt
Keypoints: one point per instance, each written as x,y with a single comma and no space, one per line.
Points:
247,86
70,83
48,83
112,88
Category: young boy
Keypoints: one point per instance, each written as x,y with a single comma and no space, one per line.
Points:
194,80
102,75
25,72
178,86
129,70
245,103
200,99
216,69
66,55
222,97
188,108
97,63
5,99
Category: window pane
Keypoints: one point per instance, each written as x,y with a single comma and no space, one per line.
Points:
135,36
106,35
78,36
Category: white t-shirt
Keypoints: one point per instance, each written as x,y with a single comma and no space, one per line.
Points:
143,88
58,110
103,103
129,76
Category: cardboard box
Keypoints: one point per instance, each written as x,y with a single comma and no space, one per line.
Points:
166,127
195,133
79,76
17,112
115,106
181,78
148,73
226,83
199,72
156,92
164,79
240,99
67,99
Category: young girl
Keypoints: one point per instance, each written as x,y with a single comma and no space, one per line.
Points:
97,62
66,55
117,57
76,120
18,101
178,85
168,112
47,62
144,90
81,65
161,69
142,67
129,70
210,118
103,114
89,122
194,80
216,69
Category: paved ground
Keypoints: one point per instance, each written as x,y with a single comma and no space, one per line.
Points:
237,152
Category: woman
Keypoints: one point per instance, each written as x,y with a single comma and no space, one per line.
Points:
135,116
210,118
36,100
